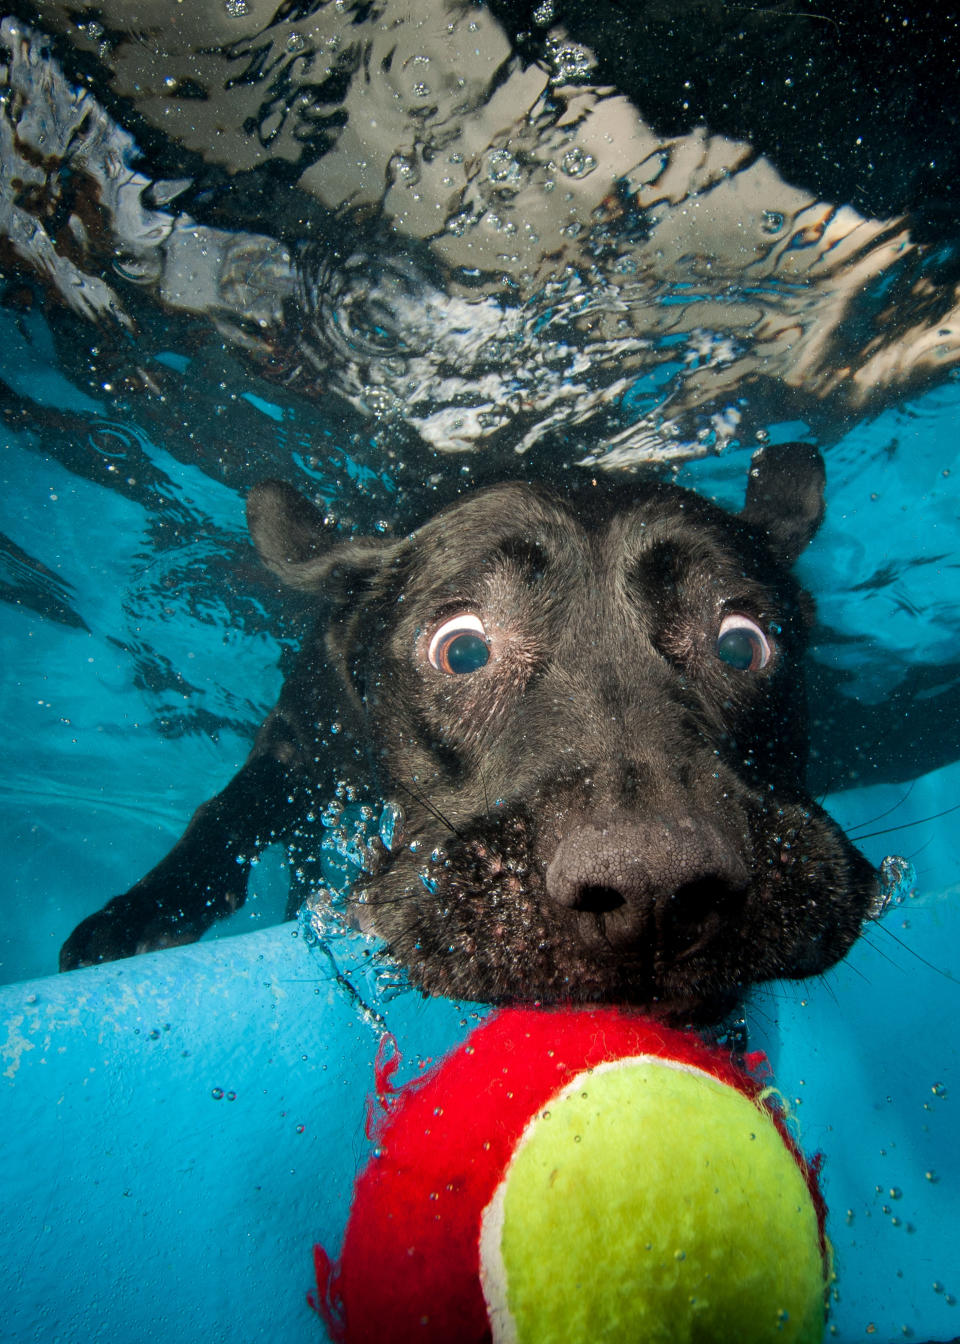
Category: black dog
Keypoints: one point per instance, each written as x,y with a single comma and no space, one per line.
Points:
592,711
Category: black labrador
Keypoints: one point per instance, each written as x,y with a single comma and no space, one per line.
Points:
592,713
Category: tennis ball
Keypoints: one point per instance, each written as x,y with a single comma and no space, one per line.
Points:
577,1176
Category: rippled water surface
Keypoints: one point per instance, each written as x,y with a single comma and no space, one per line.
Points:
461,232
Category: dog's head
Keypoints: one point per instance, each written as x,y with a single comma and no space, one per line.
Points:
592,713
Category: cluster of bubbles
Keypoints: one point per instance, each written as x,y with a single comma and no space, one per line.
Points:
898,883
354,833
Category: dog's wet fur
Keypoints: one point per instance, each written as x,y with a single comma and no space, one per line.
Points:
591,711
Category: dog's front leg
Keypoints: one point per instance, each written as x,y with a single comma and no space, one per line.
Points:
204,876
293,766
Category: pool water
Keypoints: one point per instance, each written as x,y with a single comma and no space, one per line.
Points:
483,261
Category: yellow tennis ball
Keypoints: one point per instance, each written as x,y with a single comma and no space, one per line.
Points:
651,1202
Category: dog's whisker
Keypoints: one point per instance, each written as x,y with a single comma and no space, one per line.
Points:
828,984
756,1011
359,902
870,942
906,825
869,821
911,951
425,801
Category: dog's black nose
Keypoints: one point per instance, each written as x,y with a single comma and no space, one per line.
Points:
656,872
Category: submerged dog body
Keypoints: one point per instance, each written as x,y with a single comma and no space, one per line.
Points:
591,712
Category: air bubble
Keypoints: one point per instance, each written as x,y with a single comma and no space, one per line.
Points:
404,170
456,224
575,163
380,401
502,167
236,9
771,221
570,61
330,817
898,880
390,825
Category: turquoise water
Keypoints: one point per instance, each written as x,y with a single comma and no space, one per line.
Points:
601,297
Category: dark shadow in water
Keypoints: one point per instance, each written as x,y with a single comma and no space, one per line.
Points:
913,731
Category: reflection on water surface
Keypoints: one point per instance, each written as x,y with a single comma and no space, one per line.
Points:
455,226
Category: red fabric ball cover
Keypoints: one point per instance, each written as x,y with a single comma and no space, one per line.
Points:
409,1268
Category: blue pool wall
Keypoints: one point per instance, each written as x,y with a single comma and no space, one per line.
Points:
142,1202
179,1129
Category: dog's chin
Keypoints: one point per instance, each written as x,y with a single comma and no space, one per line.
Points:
577,982
684,1010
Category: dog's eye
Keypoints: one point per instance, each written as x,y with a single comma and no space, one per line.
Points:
459,645
742,644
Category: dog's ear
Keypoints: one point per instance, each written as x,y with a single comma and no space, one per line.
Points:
785,497
294,541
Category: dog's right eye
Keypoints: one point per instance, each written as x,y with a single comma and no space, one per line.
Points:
459,645
742,644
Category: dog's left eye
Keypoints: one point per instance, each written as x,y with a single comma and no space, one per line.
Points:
459,645
742,644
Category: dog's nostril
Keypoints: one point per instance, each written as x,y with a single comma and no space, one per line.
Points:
706,895
698,898
595,899
698,911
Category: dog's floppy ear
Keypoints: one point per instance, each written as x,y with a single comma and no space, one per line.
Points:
301,548
785,497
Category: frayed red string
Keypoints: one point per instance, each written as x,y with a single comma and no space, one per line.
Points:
327,1302
384,1067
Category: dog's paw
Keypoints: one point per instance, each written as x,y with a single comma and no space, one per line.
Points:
124,929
